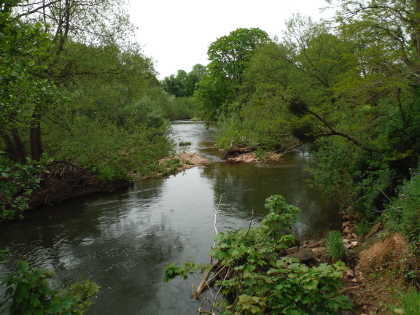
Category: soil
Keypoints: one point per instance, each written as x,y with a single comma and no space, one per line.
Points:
63,181
377,264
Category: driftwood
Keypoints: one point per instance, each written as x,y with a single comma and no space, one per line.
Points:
204,283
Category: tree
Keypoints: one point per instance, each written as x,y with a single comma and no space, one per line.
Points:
229,54
228,57
35,35
23,49
184,84
391,24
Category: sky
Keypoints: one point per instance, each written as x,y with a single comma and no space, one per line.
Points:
177,33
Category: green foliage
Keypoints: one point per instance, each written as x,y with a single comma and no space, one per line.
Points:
262,281
228,57
184,84
288,287
30,292
362,227
89,97
229,54
3,254
22,48
113,121
335,245
403,212
259,115
169,166
280,218
409,303
17,183
173,271
111,151
351,90
179,108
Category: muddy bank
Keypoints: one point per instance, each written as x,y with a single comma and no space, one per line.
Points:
64,181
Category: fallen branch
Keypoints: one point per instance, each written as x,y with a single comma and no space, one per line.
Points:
213,305
203,283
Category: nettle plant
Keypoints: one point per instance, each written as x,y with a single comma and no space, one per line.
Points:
262,279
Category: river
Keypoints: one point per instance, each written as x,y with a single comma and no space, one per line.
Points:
123,241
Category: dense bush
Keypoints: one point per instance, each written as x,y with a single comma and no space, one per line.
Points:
111,151
30,292
17,182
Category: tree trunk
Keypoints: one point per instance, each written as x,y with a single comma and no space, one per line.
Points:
20,152
10,147
35,136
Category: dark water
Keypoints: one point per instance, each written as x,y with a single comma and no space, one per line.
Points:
124,241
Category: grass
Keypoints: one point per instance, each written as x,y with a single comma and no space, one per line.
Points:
335,245
409,303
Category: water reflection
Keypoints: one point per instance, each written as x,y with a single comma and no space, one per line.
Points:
123,241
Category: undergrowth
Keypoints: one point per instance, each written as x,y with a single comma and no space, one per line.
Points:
335,245
256,276
403,213
29,292
17,182
409,303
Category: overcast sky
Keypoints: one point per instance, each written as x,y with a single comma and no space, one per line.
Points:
177,33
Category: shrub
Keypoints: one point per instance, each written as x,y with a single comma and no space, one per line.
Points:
109,150
335,246
403,213
17,182
29,292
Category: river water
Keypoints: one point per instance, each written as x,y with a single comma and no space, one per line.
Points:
123,241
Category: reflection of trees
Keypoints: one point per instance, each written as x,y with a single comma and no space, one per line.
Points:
128,267
244,187
104,240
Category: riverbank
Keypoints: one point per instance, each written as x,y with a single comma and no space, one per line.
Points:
36,185
382,267
63,181
372,281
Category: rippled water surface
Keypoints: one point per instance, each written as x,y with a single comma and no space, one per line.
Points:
124,241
